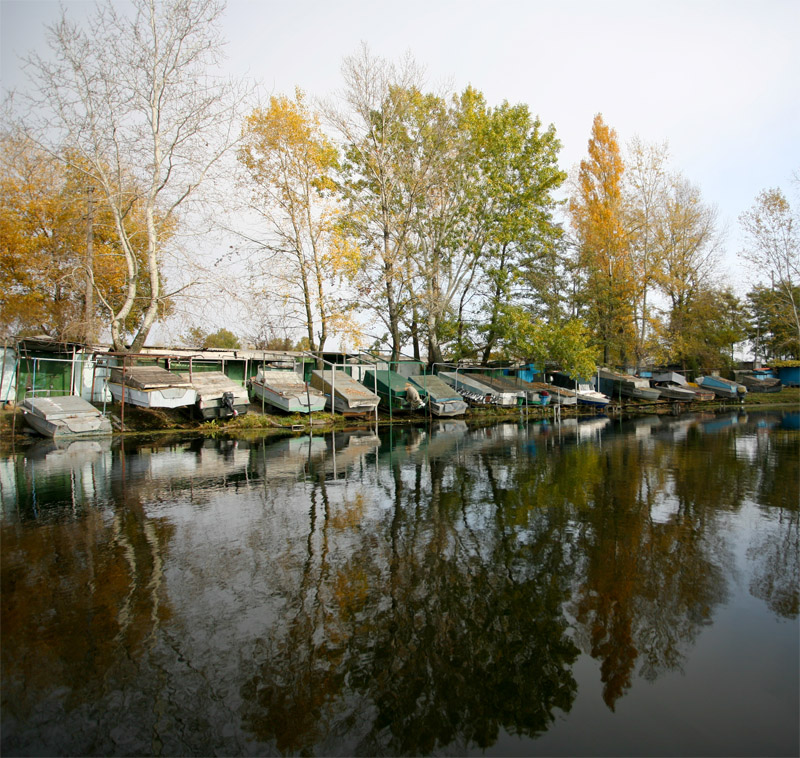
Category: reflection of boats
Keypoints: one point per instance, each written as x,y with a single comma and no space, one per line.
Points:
67,416
444,401
722,387
615,383
395,391
476,391
585,392
218,396
286,390
350,398
63,453
150,387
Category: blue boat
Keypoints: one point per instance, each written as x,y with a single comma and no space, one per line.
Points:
722,387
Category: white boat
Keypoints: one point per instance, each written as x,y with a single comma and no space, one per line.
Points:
64,417
584,390
218,396
150,387
445,402
350,398
478,392
673,386
286,390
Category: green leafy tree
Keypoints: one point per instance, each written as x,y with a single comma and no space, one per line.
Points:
222,339
771,333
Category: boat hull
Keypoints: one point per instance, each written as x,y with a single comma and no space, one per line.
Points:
344,394
166,397
289,401
65,418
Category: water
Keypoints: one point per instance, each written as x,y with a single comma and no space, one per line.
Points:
600,588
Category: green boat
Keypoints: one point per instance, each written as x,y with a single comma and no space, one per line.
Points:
444,400
395,391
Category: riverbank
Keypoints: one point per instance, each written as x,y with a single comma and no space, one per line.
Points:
141,421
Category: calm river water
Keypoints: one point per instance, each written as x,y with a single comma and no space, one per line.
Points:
593,588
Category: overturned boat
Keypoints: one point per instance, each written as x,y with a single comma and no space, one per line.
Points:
395,391
64,417
478,392
150,387
218,396
614,383
286,390
444,401
349,397
722,387
673,386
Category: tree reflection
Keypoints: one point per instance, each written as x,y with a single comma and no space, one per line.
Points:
434,634
81,594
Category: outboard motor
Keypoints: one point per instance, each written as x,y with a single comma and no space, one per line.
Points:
227,402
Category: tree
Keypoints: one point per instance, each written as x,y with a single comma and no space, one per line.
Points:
770,332
597,212
646,183
772,230
222,339
688,250
518,162
57,238
381,184
133,96
290,164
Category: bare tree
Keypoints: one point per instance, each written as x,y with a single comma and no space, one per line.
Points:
772,230
133,96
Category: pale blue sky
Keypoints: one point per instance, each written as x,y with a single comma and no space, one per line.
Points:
717,79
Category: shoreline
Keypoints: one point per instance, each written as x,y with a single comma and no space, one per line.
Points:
144,423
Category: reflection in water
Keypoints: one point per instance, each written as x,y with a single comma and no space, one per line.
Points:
415,591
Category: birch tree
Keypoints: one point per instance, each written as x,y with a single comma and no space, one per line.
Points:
134,96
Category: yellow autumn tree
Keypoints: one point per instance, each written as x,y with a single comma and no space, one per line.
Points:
289,164
597,212
62,272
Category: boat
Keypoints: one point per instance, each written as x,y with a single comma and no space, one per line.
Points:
759,380
584,390
615,383
350,398
396,392
285,390
218,396
64,417
722,387
673,386
536,393
150,387
443,400
477,392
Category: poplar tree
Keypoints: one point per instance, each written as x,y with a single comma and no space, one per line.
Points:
597,211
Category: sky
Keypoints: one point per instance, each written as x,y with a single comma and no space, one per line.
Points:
717,80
